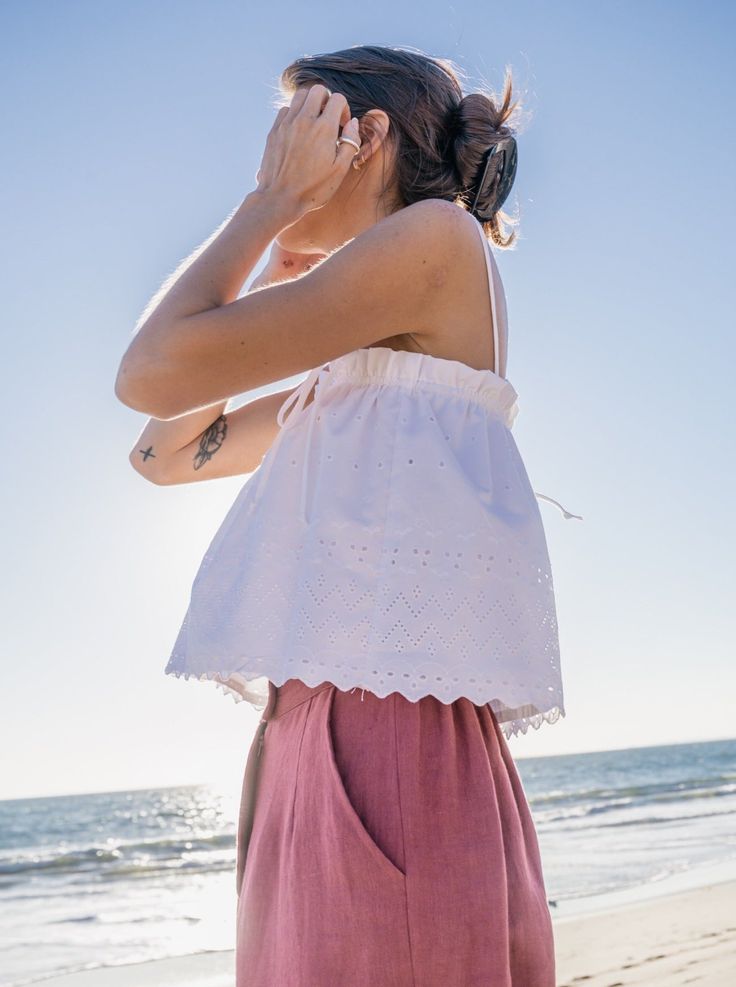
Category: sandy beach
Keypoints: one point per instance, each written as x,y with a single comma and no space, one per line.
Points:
688,937
684,938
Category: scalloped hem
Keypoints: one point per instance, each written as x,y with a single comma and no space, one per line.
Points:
512,728
258,698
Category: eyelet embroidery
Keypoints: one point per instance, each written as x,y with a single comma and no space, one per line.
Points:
365,587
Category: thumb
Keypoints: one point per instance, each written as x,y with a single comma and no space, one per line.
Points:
345,151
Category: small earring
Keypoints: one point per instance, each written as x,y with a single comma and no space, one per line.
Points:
355,163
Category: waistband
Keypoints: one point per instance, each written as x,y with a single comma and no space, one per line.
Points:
292,693
285,697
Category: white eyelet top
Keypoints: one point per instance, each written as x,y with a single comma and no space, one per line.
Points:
390,540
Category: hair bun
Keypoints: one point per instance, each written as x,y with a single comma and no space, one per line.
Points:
483,151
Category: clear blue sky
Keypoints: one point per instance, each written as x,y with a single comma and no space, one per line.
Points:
130,131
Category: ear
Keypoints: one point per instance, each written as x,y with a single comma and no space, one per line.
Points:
373,127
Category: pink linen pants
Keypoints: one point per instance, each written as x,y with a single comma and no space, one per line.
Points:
386,843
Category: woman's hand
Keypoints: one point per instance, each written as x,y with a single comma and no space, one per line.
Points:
301,161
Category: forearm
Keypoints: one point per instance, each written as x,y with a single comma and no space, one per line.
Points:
211,276
161,439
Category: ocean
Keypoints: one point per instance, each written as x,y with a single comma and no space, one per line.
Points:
118,877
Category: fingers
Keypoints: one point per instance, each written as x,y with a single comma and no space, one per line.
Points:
335,113
345,151
280,117
316,102
321,103
317,96
297,101
307,100
317,114
332,110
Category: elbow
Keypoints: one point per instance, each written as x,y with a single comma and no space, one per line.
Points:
153,378
149,471
143,389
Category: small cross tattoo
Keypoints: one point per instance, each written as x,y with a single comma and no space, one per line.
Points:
146,453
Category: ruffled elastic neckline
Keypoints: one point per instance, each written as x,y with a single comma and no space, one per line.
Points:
381,363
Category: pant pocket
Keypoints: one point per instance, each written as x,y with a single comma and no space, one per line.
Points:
361,760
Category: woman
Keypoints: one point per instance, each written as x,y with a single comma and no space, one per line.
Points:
381,585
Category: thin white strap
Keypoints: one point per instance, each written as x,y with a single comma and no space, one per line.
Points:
496,353
492,291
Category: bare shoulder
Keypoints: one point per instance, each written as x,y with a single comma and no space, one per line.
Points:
404,268
434,230
452,319
441,236
437,213
438,219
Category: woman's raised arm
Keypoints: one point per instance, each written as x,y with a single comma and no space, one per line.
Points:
202,344
209,443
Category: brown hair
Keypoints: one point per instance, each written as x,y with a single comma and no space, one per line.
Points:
438,135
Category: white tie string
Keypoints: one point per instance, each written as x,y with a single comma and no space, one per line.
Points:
565,513
297,399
